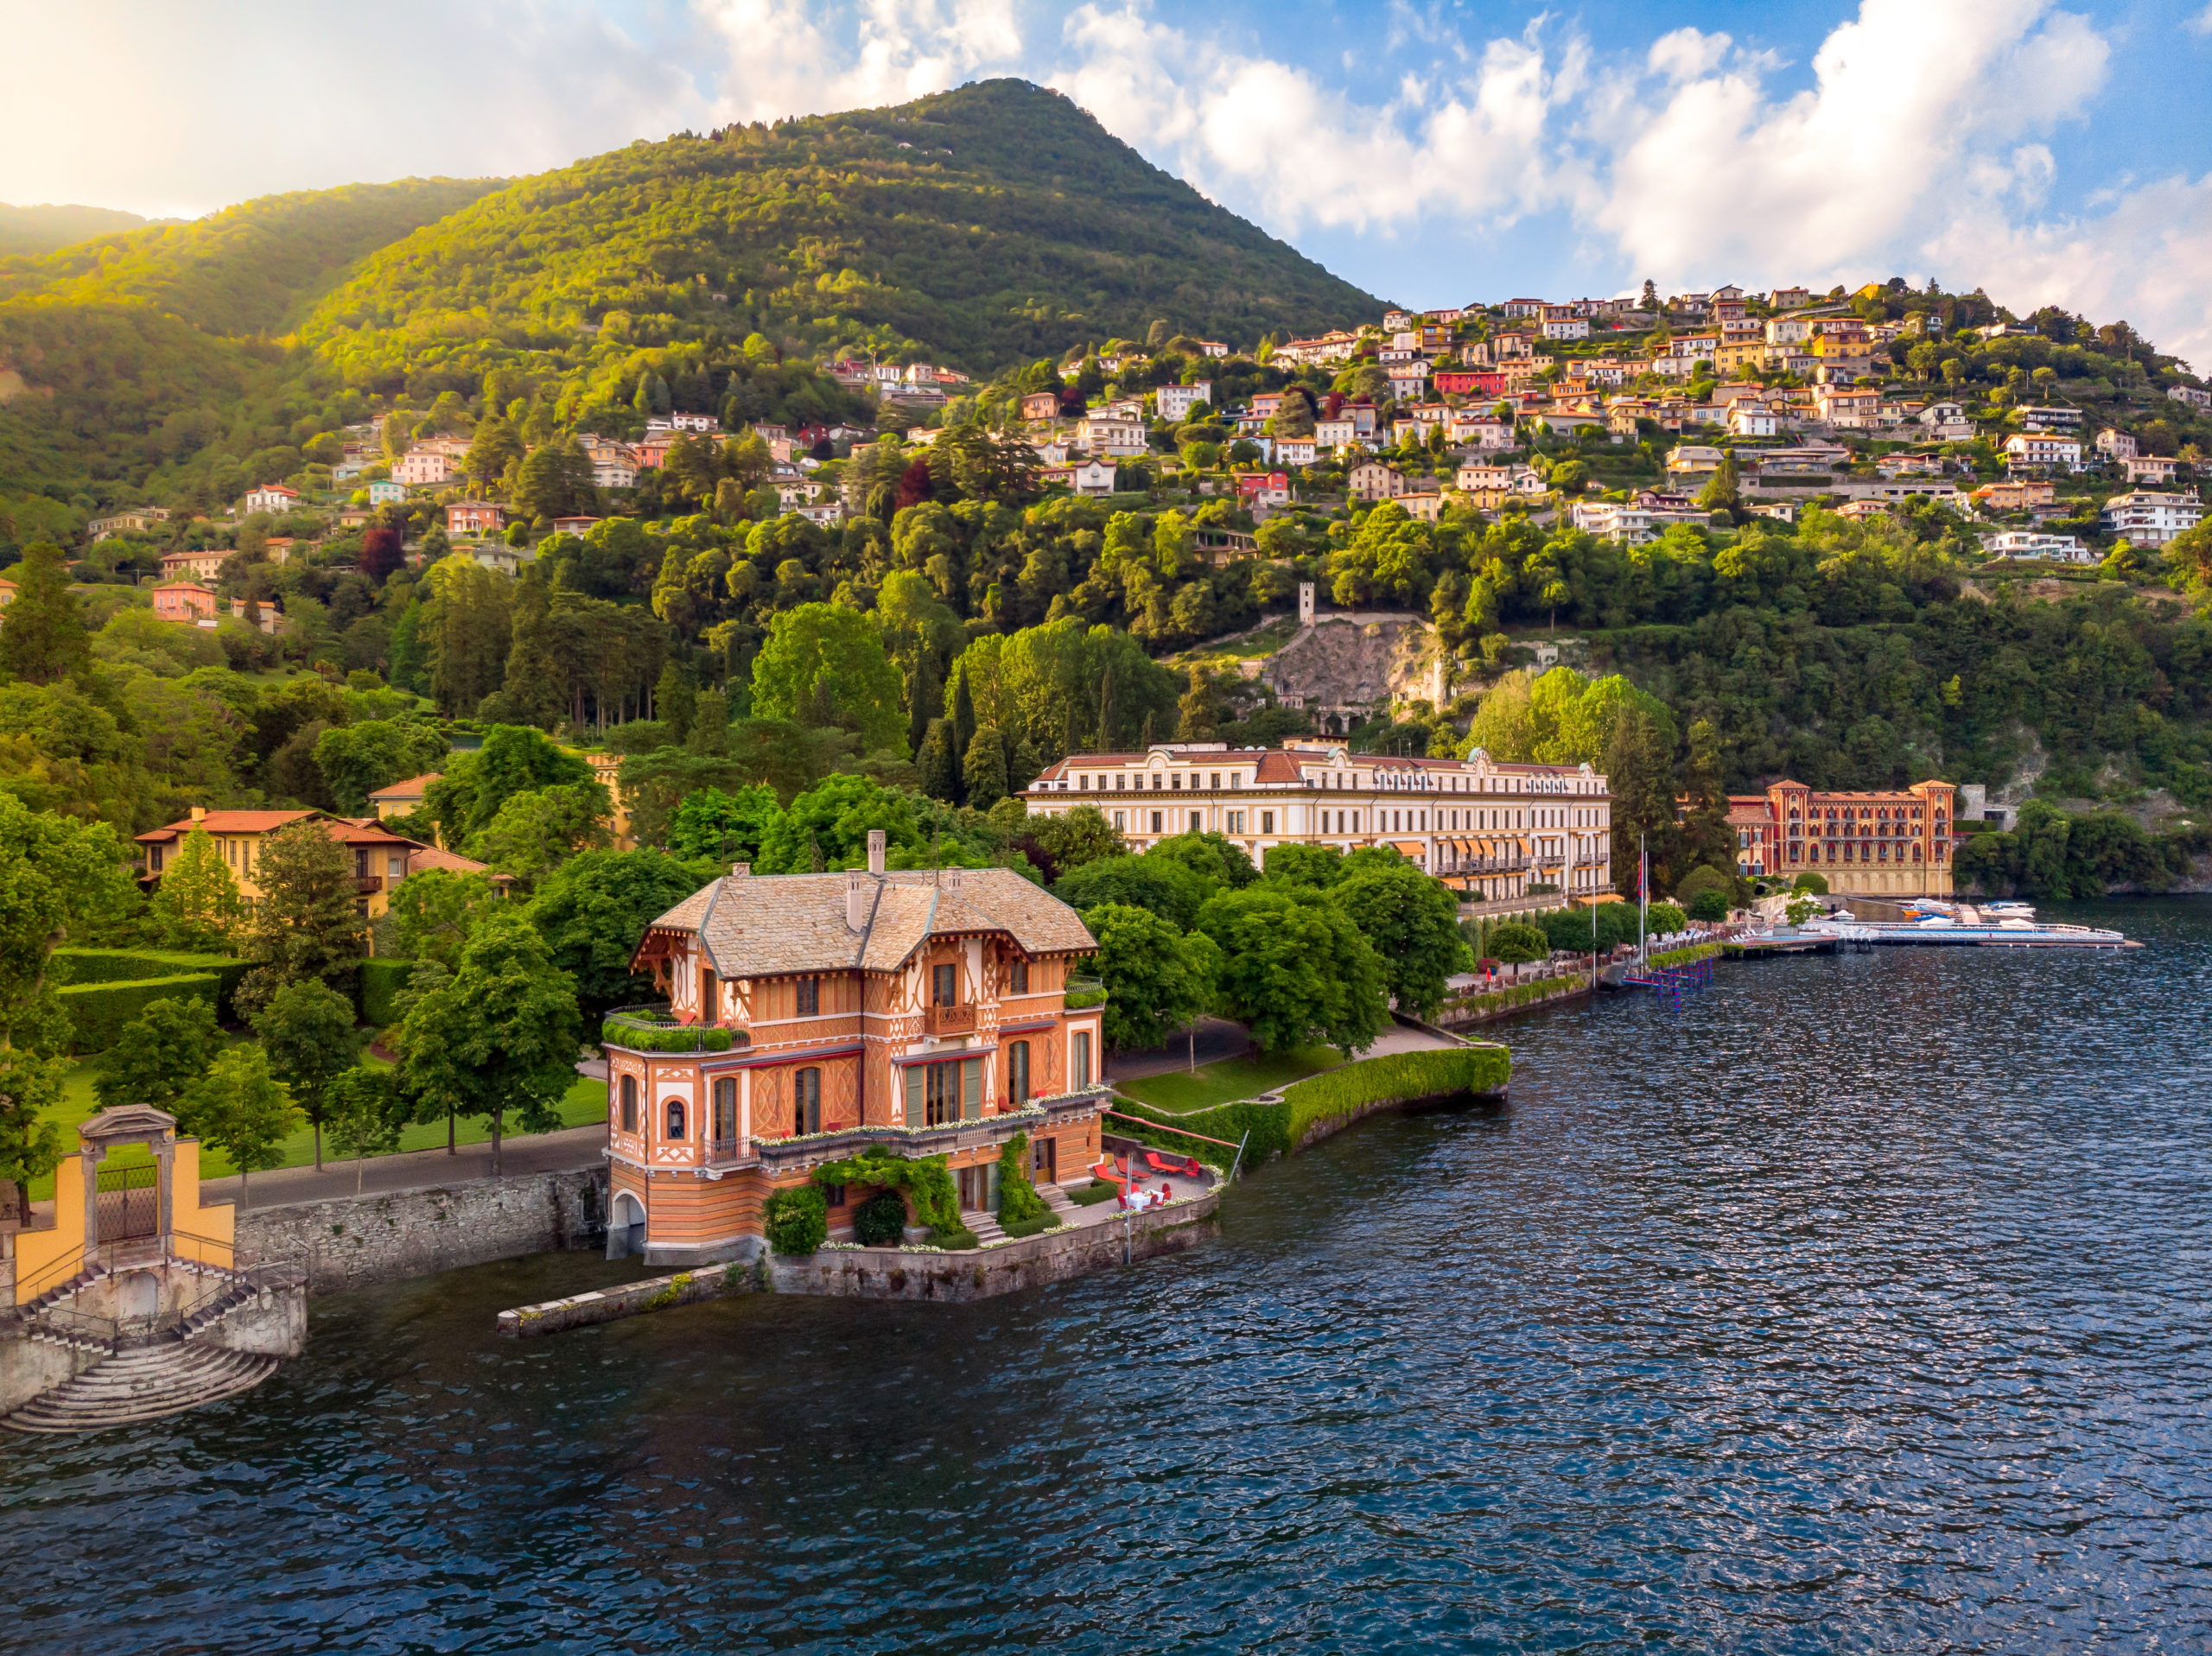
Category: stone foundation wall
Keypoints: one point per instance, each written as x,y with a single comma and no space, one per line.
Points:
894,1273
358,1242
29,1367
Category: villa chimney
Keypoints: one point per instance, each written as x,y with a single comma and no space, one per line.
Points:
740,871
198,813
875,851
952,880
857,897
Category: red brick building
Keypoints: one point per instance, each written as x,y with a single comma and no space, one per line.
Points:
925,1013
1868,844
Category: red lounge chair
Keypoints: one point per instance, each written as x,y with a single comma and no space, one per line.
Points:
1187,1166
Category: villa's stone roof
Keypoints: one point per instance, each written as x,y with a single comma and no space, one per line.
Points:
764,925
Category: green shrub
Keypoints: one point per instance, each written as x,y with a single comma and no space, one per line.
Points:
1034,1225
72,966
1017,1197
98,1012
1703,878
1665,917
644,1038
937,1203
881,1221
797,1221
1096,1191
382,981
1813,884
1709,905
1517,944
958,1240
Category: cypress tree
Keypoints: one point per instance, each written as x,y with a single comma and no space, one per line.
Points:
44,638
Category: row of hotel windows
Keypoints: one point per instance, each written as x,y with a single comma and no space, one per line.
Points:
1345,780
1393,821
936,1093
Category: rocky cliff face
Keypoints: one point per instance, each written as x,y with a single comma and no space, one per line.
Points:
1358,665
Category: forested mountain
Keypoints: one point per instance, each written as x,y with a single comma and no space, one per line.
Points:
145,346
984,225
45,227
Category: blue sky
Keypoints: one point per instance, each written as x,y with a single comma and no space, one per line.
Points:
1432,152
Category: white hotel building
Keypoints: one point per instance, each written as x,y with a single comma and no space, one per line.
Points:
1491,830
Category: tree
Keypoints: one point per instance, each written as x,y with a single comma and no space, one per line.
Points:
307,1028
593,909
1709,905
492,448
823,665
357,760
471,634
1516,944
1413,923
161,1053
826,827
984,769
1293,864
719,827
58,877
197,906
243,1110
1157,979
1294,968
1638,771
366,1109
536,832
436,911
384,554
1214,857
1075,837
30,1140
44,640
501,1037
305,925
514,760
1165,886
1722,492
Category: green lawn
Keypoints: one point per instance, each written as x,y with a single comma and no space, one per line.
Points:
1231,1079
585,1104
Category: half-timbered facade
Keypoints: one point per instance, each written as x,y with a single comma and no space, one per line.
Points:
817,1015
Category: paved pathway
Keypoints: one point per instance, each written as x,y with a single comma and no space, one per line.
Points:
1217,1038
523,1152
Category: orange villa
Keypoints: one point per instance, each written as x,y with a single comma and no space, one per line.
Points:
184,601
812,1017
1866,844
381,859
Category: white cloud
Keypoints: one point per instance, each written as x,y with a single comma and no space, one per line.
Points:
787,57
179,110
2202,23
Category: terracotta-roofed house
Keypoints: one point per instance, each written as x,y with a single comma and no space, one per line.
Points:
381,859
812,1017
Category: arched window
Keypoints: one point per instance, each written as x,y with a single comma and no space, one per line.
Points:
675,1119
629,1103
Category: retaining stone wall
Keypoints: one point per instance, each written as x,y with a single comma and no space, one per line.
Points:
358,1242
894,1273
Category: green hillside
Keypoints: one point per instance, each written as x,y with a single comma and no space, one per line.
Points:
43,228
981,226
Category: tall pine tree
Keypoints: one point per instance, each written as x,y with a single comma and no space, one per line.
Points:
43,639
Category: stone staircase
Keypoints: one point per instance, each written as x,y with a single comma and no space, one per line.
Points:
985,1224
141,1383
1057,1200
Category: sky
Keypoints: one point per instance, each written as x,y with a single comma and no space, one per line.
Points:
1433,153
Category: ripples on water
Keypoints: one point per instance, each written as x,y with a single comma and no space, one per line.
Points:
1857,1305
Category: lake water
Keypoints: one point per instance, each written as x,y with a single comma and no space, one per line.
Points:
1858,1304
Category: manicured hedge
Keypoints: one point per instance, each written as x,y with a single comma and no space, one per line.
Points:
76,966
639,1037
1276,1125
98,1012
382,980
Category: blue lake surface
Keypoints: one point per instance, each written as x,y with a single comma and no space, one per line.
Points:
1856,1305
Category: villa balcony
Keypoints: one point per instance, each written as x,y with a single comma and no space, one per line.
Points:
651,1029
788,1156
950,1020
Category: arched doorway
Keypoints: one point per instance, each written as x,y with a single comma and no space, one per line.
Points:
625,1227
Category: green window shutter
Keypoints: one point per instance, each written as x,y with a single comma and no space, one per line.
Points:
991,1196
915,1116
971,1089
